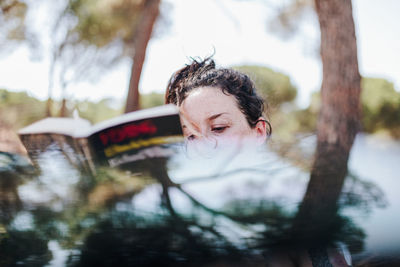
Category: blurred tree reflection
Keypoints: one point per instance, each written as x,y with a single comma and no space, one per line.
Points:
24,247
14,171
10,202
102,226
280,230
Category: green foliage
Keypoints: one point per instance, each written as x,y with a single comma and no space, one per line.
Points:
103,22
98,111
378,92
275,87
380,106
286,124
108,108
19,109
151,100
307,118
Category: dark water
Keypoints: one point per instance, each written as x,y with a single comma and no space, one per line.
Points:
228,209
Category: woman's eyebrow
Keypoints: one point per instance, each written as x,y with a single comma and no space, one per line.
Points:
213,117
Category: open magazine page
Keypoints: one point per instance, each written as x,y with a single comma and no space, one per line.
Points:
65,126
115,142
136,140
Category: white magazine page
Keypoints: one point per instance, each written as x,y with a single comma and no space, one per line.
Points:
68,126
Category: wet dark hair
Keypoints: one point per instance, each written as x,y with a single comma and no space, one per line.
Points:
231,82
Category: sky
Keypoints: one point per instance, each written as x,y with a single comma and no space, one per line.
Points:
237,32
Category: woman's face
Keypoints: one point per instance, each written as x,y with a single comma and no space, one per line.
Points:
209,114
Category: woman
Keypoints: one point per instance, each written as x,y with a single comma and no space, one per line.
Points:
222,105
217,104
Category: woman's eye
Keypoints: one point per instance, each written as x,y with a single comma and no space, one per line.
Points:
191,137
219,129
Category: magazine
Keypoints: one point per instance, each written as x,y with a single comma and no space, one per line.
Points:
121,140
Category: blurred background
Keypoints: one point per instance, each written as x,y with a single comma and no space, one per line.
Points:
107,57
58,56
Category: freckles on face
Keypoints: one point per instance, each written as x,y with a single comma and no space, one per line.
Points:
208,112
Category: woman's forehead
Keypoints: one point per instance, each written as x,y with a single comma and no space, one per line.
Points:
206,102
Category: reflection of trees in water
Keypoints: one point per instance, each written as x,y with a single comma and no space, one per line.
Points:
128,240
26,247
173,240
17,244
14,171
361,194
10,202
95,225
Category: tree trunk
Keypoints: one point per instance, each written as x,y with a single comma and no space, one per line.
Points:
63,110
338,120
48,107
143,35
